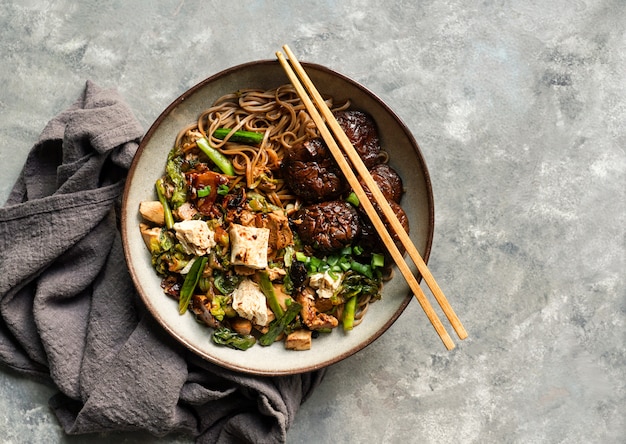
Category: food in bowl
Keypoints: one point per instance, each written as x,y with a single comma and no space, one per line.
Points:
255,230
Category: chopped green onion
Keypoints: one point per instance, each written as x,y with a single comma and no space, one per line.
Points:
332,260
344,264
204,192
315,263
223,190
357,250
378,260
353,199
365,270
301,257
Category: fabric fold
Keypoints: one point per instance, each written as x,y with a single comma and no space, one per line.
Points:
69,313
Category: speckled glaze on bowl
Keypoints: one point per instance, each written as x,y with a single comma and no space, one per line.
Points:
148,166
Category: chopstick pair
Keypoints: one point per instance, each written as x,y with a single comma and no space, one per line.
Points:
326,122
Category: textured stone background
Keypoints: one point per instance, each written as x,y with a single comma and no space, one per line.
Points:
519,108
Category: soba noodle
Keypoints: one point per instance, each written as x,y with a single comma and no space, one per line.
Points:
278,114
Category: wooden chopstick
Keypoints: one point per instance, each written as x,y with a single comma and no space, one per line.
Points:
367,205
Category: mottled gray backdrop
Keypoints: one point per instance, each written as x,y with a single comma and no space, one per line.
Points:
519,108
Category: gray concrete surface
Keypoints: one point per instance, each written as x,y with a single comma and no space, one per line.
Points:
520,110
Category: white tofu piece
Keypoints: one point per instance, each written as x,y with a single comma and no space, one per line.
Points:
324,284
248,246
195,236
299,340
152,211
250,303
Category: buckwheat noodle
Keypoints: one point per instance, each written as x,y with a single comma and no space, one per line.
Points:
278,114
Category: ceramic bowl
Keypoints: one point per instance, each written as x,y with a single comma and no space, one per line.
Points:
149,163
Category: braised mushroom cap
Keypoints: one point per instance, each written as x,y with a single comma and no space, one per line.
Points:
388,181
361,130
327,226
370,239
311,172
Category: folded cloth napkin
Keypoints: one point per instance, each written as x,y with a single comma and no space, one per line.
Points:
69,313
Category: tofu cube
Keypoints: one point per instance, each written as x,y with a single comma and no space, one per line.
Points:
250,303
299,340
152,211
195,236
324,284
249,246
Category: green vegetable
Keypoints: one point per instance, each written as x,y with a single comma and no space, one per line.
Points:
248,137
222,190
173,168
172,260
268,290
378,260
332,260
288,256
353,199
162,244
229,338
167,211
220,160
204,192
314,264
280,324
221,306
348,313
225,283
344,263
191,280
354,284
259,203
362,268
288,284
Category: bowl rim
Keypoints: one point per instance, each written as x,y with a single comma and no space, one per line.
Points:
146,139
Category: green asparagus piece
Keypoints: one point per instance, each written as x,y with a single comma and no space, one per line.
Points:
248,137
220,160
348,313
268,290
169,217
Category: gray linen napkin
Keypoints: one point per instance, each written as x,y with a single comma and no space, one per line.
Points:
69,314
